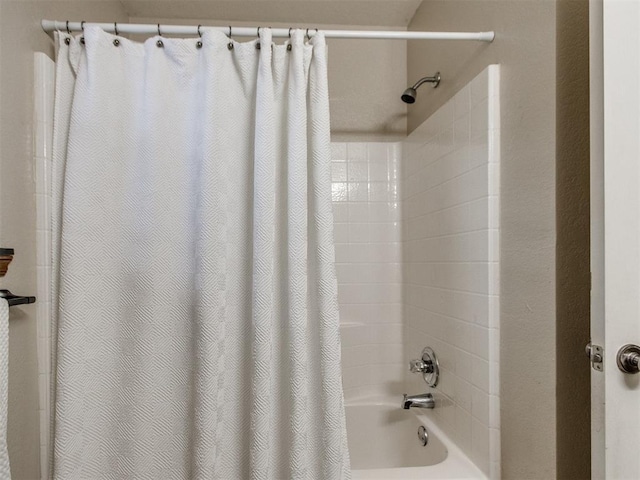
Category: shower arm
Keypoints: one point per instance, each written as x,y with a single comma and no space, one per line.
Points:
435,80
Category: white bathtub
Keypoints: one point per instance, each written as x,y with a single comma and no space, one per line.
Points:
383,444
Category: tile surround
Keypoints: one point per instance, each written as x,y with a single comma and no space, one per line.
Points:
451,286
44,82
367,239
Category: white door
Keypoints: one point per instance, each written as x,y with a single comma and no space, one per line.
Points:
615,213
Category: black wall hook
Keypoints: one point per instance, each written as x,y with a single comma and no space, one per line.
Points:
13,300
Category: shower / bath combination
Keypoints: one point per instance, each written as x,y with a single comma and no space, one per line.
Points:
409,95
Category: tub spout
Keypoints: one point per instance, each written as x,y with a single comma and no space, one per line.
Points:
424,400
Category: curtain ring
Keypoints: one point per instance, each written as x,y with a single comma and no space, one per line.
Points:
82,25
68,31
230,44
159,43
258,32
115,27
199,42
289,44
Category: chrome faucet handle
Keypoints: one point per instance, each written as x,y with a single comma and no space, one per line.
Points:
421,365
417,366
427,365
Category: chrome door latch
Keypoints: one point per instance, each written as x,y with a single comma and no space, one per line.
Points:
595,354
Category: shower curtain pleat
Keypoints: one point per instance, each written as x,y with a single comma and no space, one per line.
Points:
196,332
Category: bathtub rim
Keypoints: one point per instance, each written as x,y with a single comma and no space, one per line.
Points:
457,465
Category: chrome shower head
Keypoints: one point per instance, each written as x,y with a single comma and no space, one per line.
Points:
409,95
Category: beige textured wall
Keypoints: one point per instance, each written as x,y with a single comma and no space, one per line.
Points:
573,278
20,36
366,79
525,47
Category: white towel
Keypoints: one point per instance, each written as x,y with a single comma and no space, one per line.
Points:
5,472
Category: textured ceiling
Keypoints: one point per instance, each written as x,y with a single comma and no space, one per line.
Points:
384,13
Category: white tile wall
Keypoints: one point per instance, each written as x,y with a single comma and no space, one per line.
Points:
368,265
44,70
450,226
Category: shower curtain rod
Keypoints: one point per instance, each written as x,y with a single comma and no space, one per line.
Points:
142,28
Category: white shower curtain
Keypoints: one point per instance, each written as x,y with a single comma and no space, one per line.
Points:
197,319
